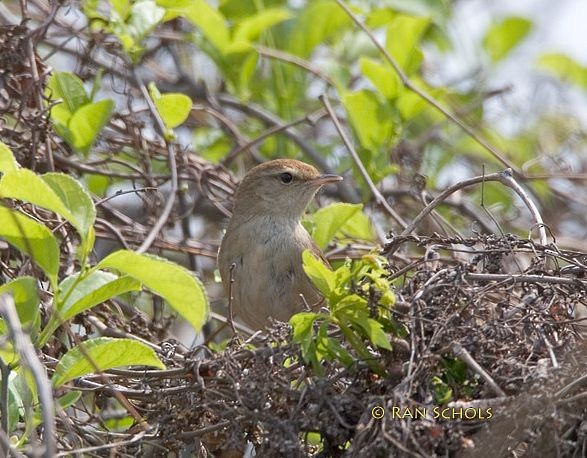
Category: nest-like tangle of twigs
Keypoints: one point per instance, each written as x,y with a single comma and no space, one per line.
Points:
519,329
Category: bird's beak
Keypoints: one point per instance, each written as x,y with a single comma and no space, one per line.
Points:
325,179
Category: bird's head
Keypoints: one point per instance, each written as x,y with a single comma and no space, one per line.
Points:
282,187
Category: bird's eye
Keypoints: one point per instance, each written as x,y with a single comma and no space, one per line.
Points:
286,177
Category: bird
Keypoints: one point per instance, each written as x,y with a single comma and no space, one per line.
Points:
260,256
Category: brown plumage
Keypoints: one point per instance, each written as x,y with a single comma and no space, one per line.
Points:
265,240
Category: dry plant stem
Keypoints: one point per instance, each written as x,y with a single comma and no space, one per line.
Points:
5,373
230,299
428,98
509,180
26,350
504,177
515,278
97,448
357,160
461,353
154,232
575,383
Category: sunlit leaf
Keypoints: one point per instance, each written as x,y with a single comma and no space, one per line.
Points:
70,89
31,238
250,28
7,161
102,354
183,291
370,118
322,277
564,68
505,35
403,37
87,123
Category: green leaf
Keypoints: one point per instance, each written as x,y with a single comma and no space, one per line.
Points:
31,238
302,325
53,191
174,108
564,68
183,291
370,118
101,354
319,21
70,89
403,37
250,28
68,399
87,123
26,300
96,288
329,220
505,35
382,76
7,161
77,200
209,20
322,277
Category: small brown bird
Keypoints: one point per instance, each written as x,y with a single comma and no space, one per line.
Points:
265,240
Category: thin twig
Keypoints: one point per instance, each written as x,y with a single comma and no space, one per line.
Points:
5,373
461,353
163,217
230,299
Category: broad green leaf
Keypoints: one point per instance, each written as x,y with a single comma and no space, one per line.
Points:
329,220
15,400
322,277
87,122
410,105
183,291
75,198
505,35
358,227
70,89
26,300
382,76
403,37
209,20
250,28
302,325
370,118
76,297
7,161
68,399
101,354
122,8
336,351
96,288
319,21
564,68
54,191
31,238
174,108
